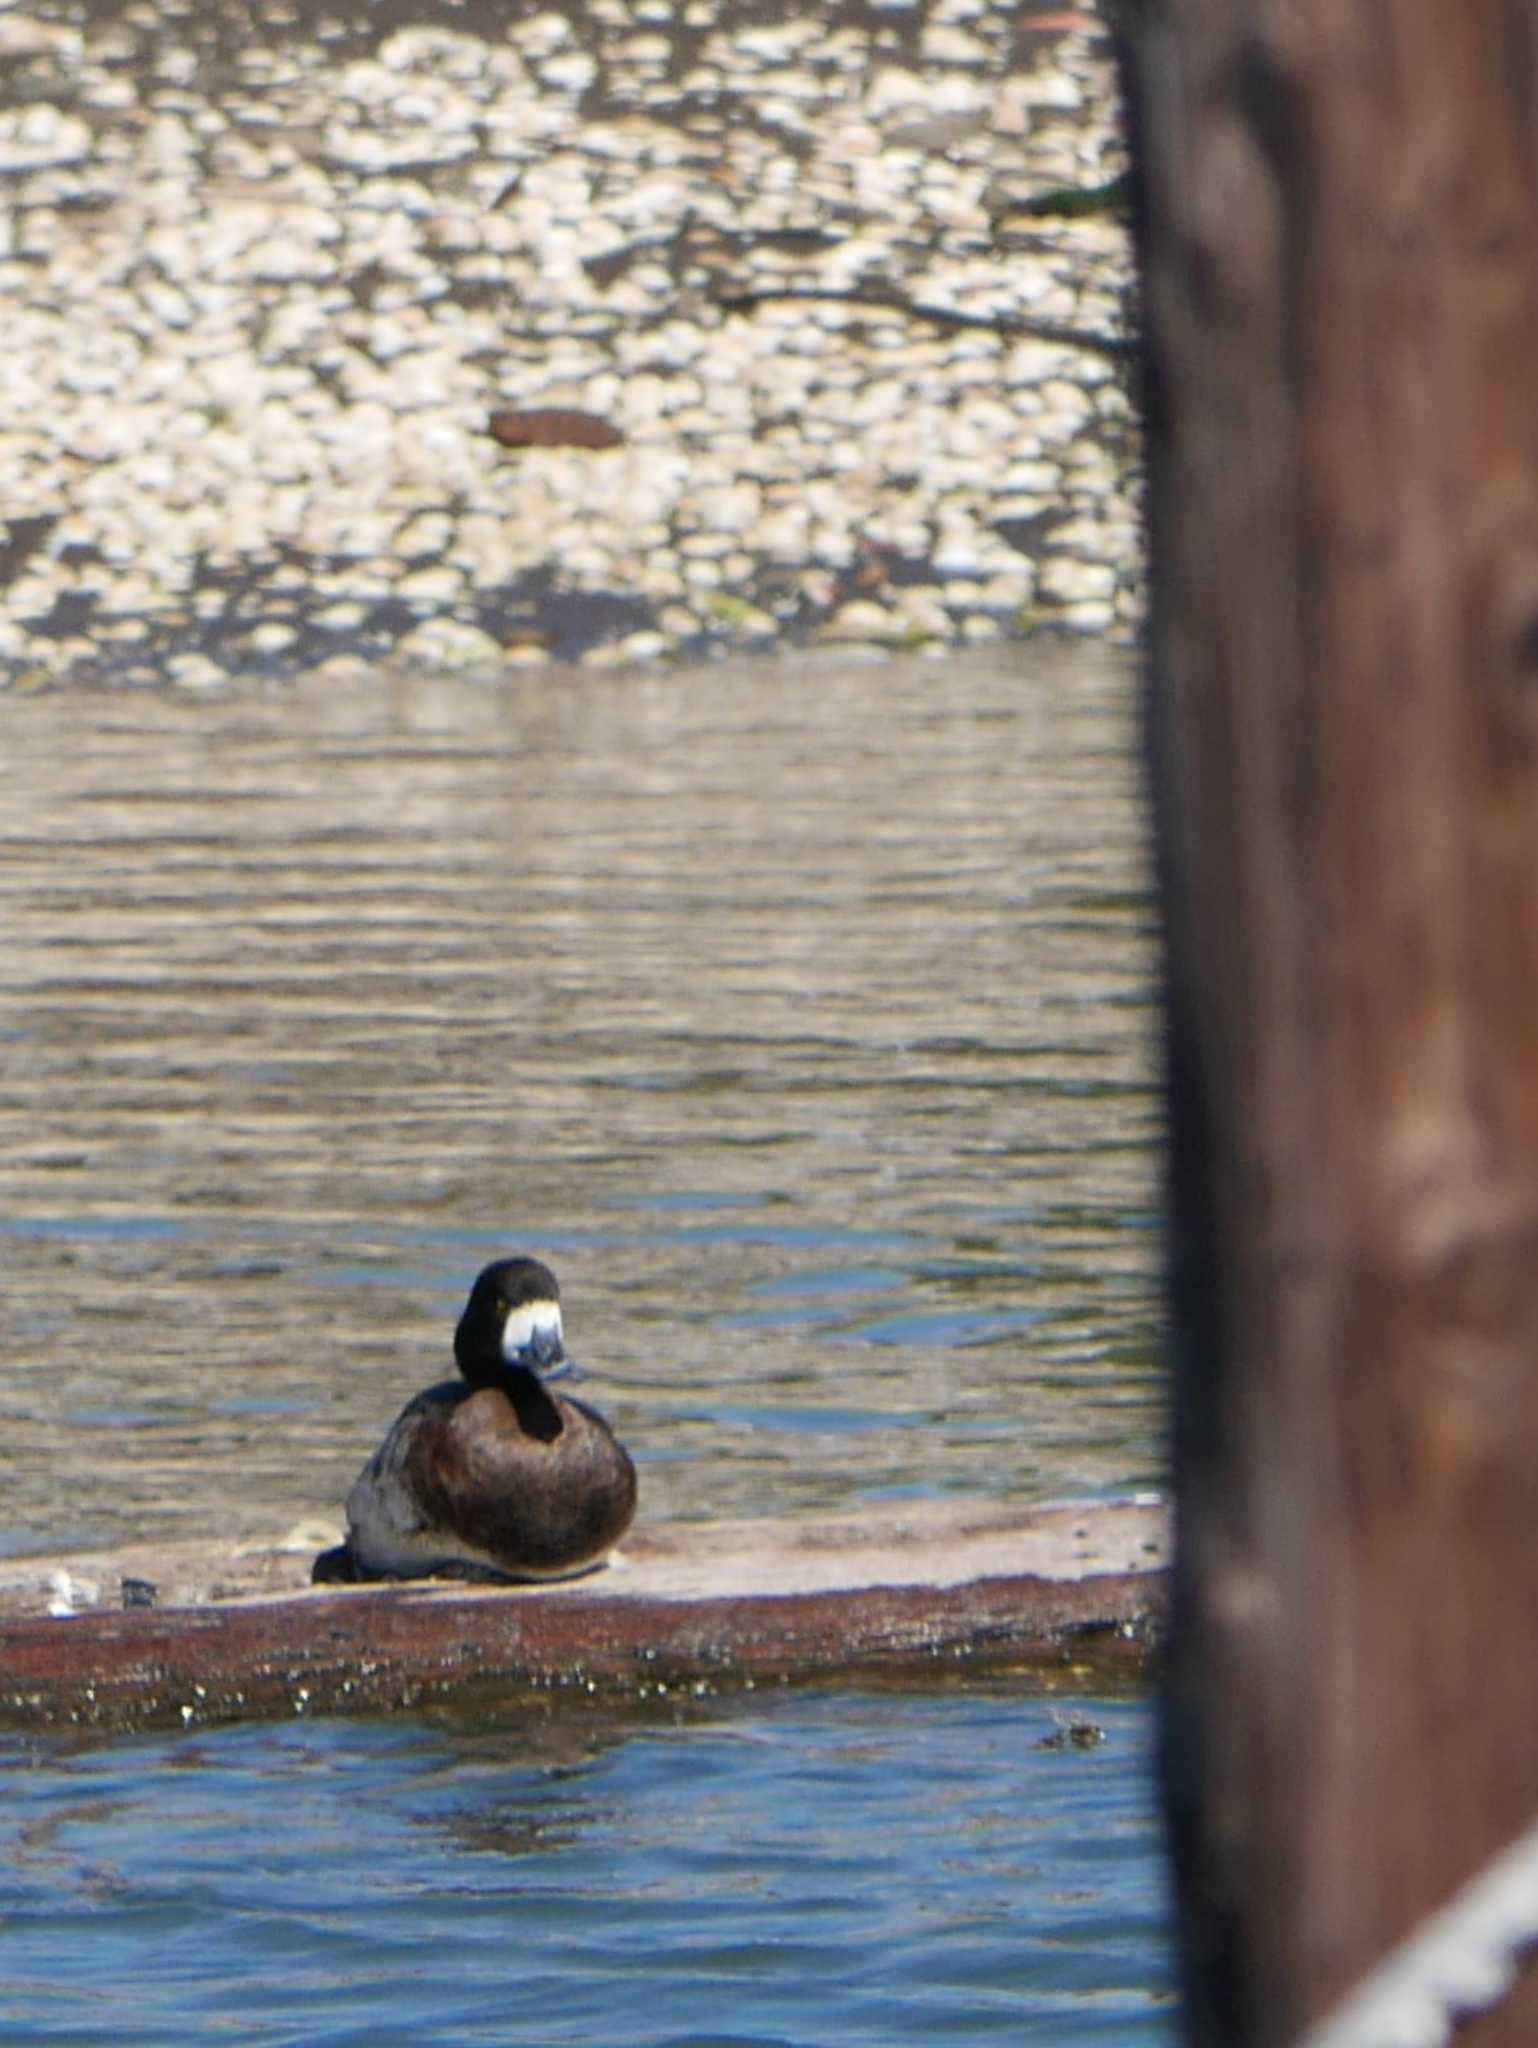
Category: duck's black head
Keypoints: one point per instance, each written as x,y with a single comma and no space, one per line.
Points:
511,1323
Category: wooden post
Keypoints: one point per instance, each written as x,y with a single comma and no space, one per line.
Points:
1339,238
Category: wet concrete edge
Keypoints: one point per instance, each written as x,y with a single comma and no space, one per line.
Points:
373,1649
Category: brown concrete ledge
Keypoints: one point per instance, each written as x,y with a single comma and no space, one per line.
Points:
240,1633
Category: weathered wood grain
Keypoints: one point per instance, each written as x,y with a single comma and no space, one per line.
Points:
1339,236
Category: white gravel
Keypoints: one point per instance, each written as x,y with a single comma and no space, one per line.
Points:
263,298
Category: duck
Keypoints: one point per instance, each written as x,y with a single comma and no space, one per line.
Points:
493,1475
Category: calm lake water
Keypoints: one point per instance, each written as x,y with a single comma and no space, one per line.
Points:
824,1871
802,1018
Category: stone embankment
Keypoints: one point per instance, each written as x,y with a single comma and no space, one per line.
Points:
464,336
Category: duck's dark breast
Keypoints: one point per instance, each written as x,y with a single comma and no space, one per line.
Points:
536,1503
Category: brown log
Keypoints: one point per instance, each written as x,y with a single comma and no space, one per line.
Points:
1339,243
553,426
944,1586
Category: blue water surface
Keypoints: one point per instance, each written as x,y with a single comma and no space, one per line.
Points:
824,1870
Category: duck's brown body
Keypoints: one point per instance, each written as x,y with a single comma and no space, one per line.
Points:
492,1472
510,1478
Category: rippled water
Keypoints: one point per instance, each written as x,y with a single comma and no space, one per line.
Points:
834,1870
800,1016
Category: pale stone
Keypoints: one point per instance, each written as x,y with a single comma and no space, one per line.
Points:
339,669
737,615
925,612
541,33
196,672
32,595
441,585
215,389
573,71
644,645
23,36
704,546
1079,537
481,548
941,44
1070,581
729,508
783,532
957,554
862,619
33,138
1031,477
650,52
449,643
894,86
1088,618
607,654
271,637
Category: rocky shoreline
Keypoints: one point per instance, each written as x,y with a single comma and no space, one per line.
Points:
806,362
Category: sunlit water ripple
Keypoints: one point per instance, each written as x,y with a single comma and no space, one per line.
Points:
801,1020
816,1872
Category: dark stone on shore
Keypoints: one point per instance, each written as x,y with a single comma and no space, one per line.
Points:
553,426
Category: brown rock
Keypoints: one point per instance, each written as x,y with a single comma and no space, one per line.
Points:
553,426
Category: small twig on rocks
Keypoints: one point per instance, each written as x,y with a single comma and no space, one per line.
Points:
1117,346
1073,202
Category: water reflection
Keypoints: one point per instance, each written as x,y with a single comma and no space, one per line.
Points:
817,1869
800,1018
